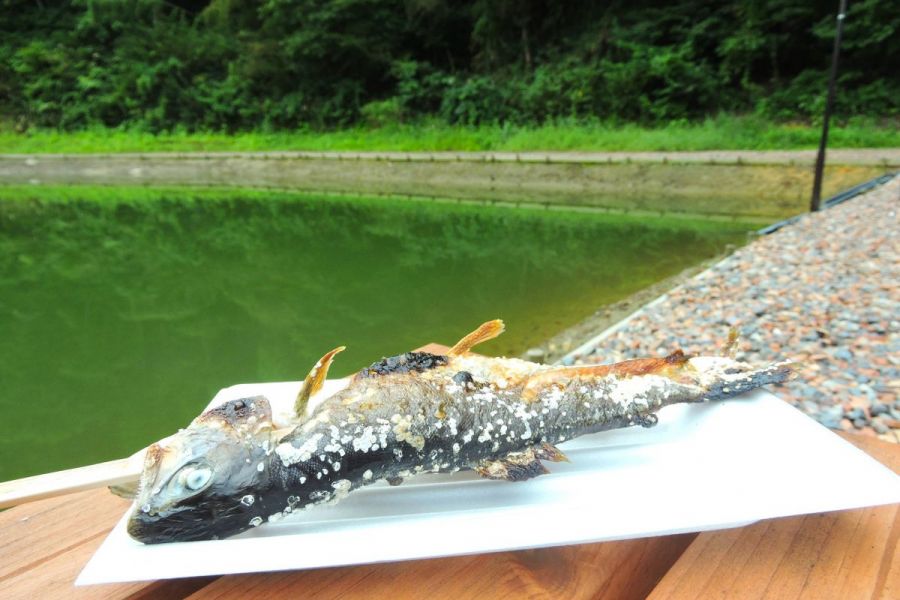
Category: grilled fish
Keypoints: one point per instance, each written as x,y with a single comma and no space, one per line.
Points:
233,468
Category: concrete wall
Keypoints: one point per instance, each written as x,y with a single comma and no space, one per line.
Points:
744,185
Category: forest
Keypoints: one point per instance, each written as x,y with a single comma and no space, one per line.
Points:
273,65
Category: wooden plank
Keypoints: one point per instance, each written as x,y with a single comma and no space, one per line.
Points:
32,533
624,570
46,544
433,348
847,554
54,578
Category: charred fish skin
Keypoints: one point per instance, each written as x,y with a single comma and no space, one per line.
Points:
410,414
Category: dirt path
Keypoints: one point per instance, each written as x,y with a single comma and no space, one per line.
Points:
881,157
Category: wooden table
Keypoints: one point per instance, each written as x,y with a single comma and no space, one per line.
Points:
848,554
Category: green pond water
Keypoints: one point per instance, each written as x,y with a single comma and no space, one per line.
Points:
122,312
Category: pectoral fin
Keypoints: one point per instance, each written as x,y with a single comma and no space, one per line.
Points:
520,466
550,452
511,468
314,381
127,490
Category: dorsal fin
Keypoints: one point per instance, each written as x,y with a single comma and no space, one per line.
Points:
487,331
731,344
314,381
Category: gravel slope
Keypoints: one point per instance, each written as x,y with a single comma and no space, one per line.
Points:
824,292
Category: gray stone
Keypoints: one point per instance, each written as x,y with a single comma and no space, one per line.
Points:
856,413
843,354
810,407
830,422
536,355
833,412
878,409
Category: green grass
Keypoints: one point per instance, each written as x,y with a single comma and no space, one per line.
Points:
719,133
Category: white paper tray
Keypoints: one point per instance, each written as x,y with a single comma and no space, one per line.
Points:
703,467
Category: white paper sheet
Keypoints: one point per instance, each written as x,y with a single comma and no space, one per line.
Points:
703,467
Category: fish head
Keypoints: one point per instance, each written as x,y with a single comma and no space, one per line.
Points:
193,482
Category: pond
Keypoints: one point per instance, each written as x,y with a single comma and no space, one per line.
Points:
123,311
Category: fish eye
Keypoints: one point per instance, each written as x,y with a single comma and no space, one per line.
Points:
195,477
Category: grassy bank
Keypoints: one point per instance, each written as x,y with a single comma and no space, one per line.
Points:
720,133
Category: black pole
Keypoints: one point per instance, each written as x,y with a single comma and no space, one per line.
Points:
829,102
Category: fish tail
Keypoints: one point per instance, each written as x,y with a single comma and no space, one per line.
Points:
675,378
724,377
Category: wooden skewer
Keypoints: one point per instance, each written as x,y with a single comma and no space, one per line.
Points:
38,487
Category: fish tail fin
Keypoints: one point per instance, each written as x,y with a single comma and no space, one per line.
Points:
723,378
486,331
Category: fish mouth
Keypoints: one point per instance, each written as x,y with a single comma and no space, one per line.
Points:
180,524
188,523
